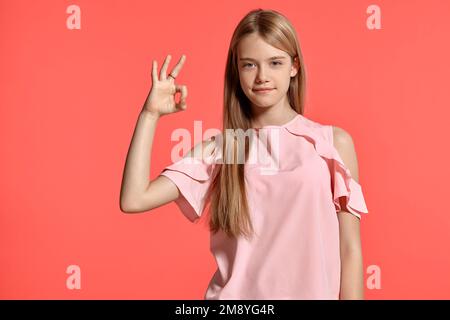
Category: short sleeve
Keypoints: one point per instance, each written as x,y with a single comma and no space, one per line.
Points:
193,178
343,185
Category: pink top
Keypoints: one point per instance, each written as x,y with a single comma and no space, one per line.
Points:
295,252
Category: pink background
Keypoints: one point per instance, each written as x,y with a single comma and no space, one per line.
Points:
69,101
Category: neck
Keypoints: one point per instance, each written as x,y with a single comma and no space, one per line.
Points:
275,115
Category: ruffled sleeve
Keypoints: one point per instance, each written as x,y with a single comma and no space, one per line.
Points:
342,183
193,178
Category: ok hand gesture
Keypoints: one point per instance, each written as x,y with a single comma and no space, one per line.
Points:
161,99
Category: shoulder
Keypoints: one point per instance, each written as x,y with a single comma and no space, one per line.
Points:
343,142
337,136
341,138
202,149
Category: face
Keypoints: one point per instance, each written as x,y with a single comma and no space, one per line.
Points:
261,65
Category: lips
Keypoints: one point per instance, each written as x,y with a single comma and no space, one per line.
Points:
263,89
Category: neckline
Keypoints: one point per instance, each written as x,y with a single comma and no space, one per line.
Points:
281,125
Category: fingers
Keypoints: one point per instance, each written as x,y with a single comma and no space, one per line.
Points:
154,71
183,90
176,70
162,73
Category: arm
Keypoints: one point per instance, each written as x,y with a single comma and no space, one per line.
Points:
352,272
137,193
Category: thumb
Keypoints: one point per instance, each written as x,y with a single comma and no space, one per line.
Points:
183,90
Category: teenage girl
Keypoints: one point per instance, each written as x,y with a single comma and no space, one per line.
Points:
288,233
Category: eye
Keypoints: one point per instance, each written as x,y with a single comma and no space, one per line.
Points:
277,63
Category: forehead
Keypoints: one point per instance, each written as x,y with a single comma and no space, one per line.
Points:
253,46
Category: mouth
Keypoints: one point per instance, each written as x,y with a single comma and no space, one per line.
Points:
263,90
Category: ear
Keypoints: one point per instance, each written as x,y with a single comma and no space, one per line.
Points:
295,67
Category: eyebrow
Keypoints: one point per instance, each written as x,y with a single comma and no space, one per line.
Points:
271,58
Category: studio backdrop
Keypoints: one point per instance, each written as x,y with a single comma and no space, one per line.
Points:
74,76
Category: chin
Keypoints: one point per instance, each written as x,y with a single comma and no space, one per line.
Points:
263,101
266,105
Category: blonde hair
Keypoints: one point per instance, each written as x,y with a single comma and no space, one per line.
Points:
229,205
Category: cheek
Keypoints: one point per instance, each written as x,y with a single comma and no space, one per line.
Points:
245,79
283,81
247,86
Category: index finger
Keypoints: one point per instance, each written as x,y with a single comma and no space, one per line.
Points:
176,70
154,71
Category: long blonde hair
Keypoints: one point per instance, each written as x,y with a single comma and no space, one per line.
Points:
229,205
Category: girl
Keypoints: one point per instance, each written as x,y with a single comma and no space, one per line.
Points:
292,232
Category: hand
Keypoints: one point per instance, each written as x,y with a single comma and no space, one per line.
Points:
161,99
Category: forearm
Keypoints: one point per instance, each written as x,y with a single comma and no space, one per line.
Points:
352,275
136,173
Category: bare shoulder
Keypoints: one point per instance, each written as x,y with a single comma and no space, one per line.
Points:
341,137
343,142
348,223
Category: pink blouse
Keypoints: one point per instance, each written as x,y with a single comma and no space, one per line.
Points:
293,204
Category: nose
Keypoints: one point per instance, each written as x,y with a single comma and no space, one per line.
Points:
261,75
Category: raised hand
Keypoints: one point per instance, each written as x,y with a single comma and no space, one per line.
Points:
161,99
